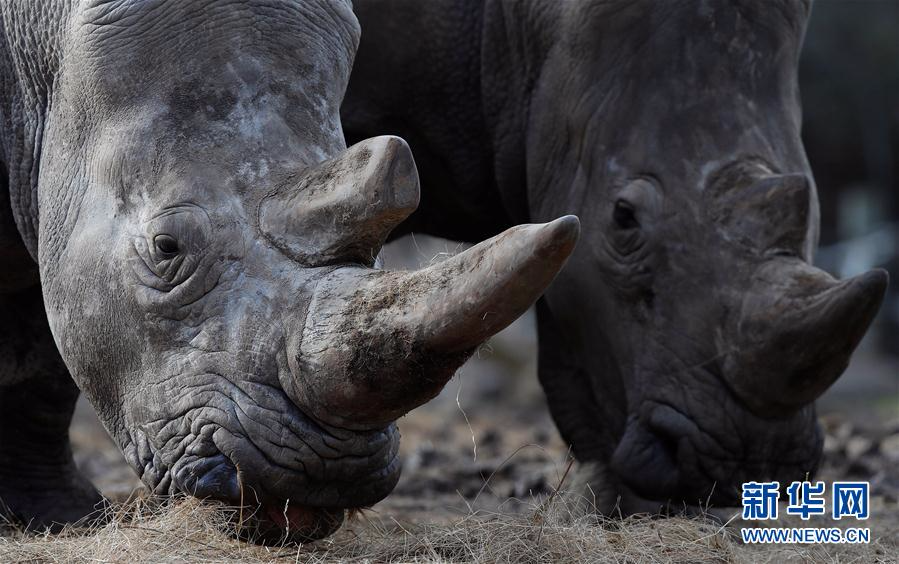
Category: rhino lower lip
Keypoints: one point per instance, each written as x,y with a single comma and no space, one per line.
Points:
294,523
633,502
274,524
263,518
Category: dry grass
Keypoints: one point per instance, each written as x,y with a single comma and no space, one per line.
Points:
191,531
427,519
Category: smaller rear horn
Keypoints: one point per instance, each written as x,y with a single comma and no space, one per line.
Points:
343,209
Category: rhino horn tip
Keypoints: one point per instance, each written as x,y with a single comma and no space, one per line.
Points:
873,284
564,232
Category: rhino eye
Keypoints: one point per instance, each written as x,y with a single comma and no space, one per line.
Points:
166,245
624,215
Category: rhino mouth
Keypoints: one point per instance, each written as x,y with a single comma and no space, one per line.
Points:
266,513
666,457
273,525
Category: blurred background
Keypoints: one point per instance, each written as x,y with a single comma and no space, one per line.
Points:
489,437
849,76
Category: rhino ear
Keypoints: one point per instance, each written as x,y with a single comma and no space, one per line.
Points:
343,209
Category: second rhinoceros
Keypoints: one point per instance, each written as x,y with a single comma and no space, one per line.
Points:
683,346
182,220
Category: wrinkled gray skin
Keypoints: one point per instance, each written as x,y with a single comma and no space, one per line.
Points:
683,346
181,203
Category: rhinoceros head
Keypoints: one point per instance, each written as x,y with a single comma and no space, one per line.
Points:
699,326
207,243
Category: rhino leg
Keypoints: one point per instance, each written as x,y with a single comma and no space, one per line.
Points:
40,486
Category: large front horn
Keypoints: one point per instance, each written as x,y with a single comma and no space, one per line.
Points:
796,331
377,344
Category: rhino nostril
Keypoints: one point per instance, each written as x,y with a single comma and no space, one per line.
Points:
666,440
647,461
213,477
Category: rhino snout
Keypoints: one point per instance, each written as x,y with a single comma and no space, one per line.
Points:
670,454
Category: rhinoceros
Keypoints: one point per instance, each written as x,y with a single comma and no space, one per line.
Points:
682,348
185,234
